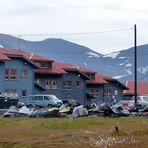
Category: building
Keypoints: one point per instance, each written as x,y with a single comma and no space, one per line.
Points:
142,89
26,74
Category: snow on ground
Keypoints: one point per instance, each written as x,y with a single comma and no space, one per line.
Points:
112,55
143,69
1,46
92,54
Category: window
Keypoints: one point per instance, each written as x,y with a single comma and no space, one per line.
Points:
78,84
39,98
42,64
24,73
116,92
92,76
10,74
108,92
10,90
51,84
24,93
67,85
94,92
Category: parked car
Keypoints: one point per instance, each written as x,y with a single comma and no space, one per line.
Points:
8,99
141,101
43,101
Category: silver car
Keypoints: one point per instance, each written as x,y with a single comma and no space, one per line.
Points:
43,100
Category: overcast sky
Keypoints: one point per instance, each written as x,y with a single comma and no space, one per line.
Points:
76,16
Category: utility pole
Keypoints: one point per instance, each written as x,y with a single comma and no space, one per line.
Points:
135,61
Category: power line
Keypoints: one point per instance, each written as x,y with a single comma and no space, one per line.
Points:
74,33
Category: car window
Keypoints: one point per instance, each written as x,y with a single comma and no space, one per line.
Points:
38,97
30,98
145,98
133,98
46,98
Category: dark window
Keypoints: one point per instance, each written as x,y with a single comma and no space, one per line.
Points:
108,92
51,84
92,76
24,93
10,74
10,90
24,73
94,92
78,84
67,85
42,64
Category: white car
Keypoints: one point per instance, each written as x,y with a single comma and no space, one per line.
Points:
43,100
141,100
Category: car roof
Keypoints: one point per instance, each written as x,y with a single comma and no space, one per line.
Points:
42,95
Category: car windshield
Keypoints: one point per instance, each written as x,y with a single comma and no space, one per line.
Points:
52,97
145,98
133,98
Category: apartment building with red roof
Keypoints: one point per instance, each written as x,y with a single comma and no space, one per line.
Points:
26,73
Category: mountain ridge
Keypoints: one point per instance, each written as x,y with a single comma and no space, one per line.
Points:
118,64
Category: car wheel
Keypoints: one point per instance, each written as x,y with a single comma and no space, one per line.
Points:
30,106
49,106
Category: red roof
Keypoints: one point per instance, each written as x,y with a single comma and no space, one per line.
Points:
3,57
67,66
15,52
107,78
142,87
55,70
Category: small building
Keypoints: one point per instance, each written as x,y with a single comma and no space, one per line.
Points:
142,89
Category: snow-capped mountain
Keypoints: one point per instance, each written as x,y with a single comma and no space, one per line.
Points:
118,64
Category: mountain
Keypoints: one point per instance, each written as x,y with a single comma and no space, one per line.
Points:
117,64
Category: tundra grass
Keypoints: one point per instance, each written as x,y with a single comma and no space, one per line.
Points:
67,132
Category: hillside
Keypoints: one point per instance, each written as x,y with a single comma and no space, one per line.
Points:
117,64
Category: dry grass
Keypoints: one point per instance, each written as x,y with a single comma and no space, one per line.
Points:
74,133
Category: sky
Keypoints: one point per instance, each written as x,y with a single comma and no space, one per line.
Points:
104,25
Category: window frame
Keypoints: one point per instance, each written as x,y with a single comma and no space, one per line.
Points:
25,90
67,85
78,82
22,74
10,74
108,92
52,84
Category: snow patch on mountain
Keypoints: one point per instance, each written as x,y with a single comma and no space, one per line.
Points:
120,76
121,64
112,55
121,57
128,65
85,63
1,46
128,71
92,54
143,69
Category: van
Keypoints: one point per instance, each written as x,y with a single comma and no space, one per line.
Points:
43,101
